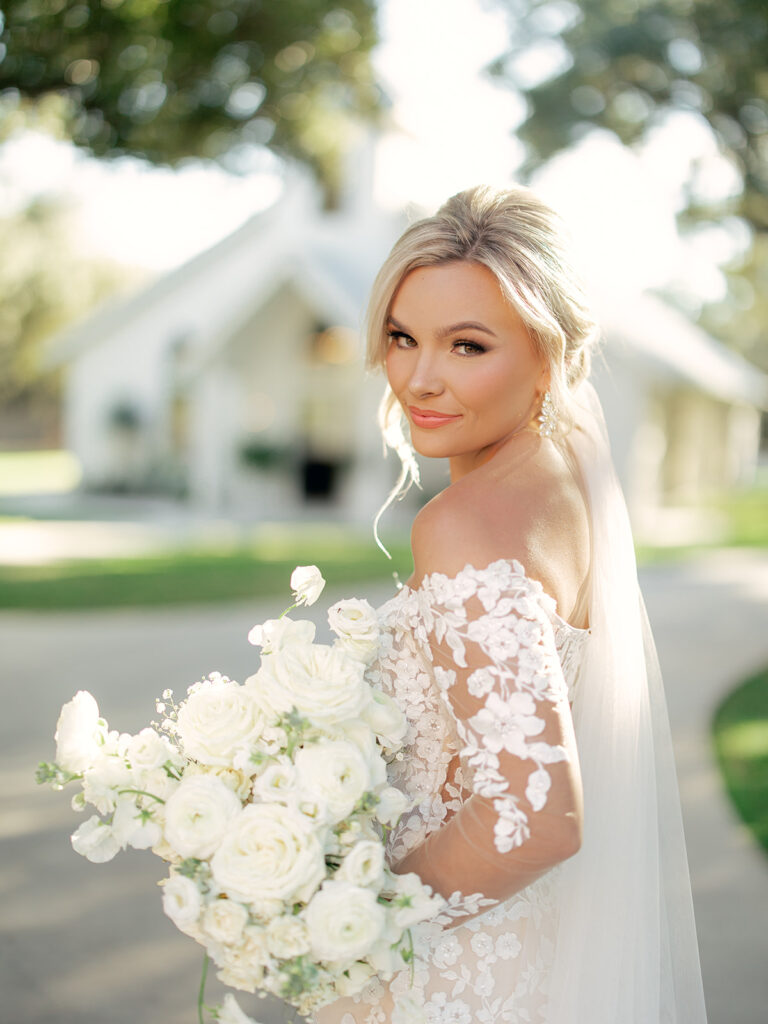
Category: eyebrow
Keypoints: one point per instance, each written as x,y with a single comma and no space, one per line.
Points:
444,332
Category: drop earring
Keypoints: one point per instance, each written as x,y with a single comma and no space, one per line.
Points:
547,416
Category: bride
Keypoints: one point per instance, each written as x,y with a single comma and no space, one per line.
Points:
538,761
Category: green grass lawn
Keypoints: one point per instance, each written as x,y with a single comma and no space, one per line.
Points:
257,570
740,731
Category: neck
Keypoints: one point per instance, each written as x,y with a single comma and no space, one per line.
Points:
518,445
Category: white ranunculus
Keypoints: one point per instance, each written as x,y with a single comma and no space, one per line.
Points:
238,781
269,852
224,921
182,902
386,719
287,937
322,683
274,634
218,718
80,733
307,584
148,750
230,1013
95,840
276,782
363,865
354,623
344,921
198,814
134,828
354,979
335,773
391,806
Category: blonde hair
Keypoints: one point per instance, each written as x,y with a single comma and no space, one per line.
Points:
522,242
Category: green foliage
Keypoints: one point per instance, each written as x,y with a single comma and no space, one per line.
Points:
169,79
740,732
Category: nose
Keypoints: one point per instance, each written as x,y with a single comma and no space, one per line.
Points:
426,380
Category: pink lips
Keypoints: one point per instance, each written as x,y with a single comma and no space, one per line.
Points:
429,419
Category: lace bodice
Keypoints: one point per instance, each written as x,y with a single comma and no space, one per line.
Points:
479,662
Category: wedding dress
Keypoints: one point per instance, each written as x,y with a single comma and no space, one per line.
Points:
501,695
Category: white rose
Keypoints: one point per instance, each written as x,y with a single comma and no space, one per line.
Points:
80,733
230,1013
386,719
287,937
132,826
95,840
276,782
269,852
354,979
354,623
321,682
307,584
274,634
198,814
218,718
182,902
344,921
357,732
335,773
224,921
363,865
392,804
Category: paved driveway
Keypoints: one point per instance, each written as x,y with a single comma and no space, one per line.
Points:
89,944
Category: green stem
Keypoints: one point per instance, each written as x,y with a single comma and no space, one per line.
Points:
141,792
201,993
290,609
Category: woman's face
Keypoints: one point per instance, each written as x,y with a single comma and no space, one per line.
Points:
461,363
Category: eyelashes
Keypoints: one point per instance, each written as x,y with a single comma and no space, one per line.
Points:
468,348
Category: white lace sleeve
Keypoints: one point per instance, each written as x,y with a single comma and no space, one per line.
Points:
495,662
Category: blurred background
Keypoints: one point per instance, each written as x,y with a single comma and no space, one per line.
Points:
195,196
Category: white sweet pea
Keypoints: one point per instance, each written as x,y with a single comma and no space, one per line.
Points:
269,852
218,718
287,937
363,865
182,902
391,806
344,921
107,775
274,634
80,733
224,921
413,901
386,719
95,840
230,1013
134,828
407,1011
307,584
198,815
322,683
354,979
335,773
355,624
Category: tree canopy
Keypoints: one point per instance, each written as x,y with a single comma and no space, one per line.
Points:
172,79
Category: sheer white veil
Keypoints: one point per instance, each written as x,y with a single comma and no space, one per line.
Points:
626,948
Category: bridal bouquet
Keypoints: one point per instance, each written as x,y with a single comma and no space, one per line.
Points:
270,802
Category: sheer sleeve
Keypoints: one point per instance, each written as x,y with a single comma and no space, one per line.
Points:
496,666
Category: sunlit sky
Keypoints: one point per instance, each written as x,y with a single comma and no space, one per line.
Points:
456,128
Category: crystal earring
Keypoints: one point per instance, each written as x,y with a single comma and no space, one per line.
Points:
547,416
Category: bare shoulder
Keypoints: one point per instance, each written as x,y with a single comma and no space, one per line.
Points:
537,517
